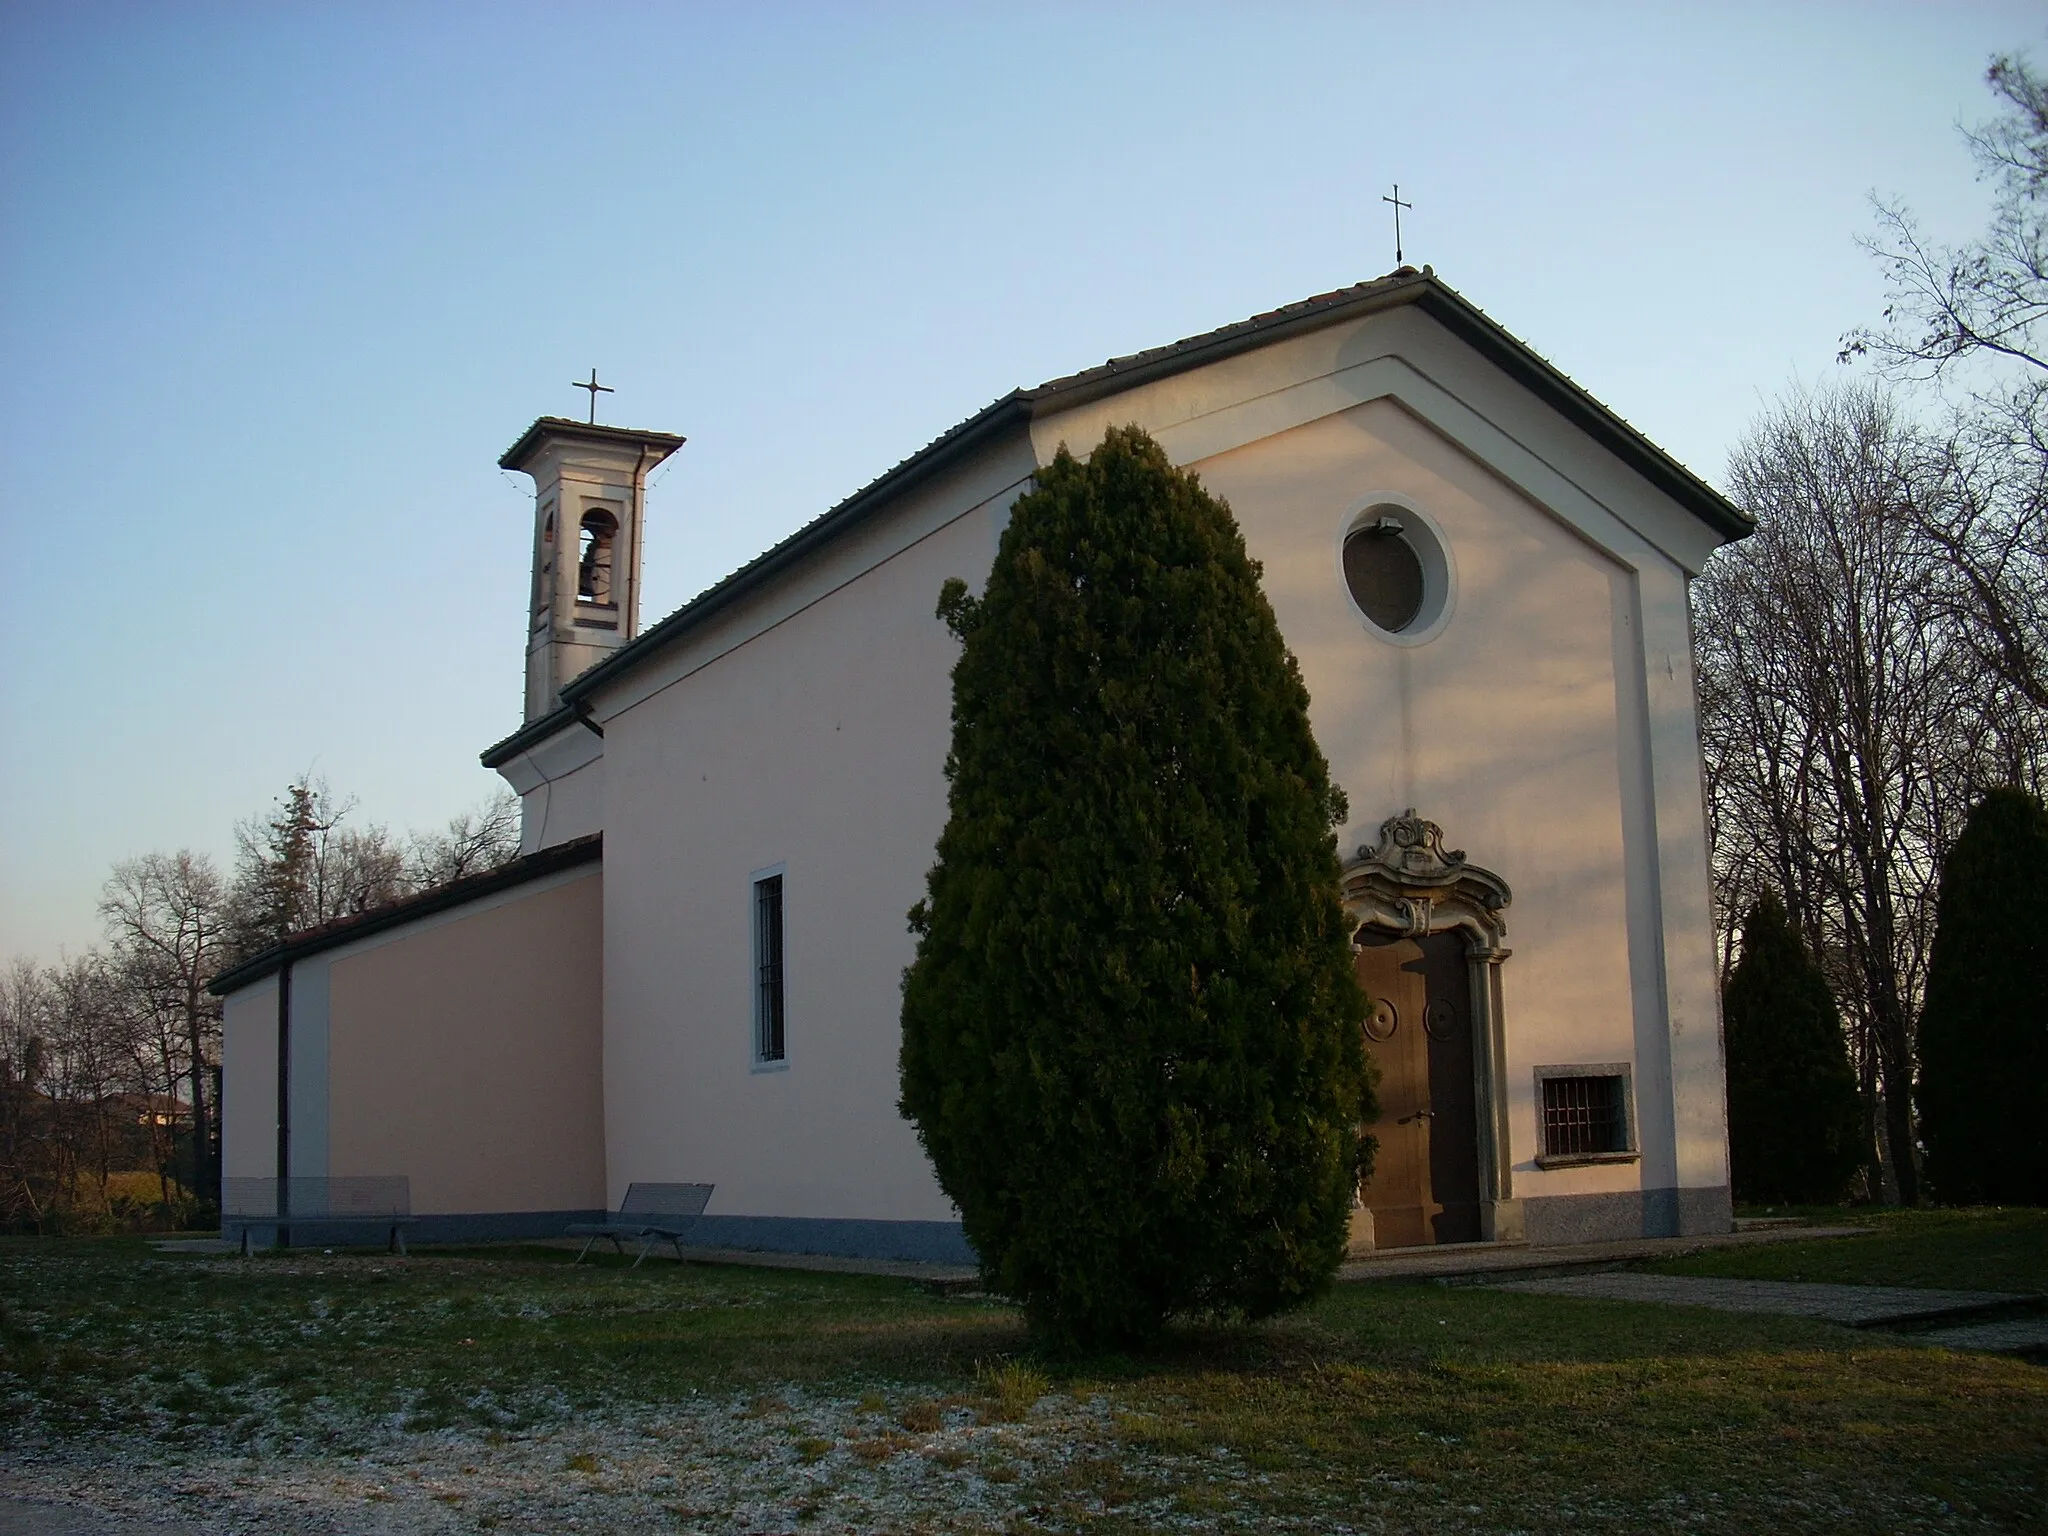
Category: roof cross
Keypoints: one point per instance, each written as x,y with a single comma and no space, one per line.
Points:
596,388
1398,206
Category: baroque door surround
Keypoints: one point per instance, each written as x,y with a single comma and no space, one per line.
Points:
1411,885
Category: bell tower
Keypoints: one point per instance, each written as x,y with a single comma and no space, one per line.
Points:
590,493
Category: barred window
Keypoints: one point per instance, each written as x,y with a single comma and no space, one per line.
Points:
768,998
1584,1116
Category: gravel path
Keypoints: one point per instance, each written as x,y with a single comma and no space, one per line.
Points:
34,1517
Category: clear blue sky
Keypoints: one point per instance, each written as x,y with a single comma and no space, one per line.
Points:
279,283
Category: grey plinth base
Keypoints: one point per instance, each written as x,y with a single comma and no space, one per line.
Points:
1558,1220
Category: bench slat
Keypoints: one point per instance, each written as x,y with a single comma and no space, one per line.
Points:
679,1200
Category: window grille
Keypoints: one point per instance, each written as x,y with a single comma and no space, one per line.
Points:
768,999
1583,1116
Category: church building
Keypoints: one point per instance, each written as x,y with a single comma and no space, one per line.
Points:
691,973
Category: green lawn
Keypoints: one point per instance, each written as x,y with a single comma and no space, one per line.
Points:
1970,1250
1385,1408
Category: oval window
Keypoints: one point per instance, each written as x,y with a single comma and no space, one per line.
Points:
1384,574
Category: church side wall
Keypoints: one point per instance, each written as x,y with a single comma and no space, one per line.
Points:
248,1083
463,1052
806,734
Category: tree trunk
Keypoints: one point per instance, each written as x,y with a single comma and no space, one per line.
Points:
195,1026
1898,1130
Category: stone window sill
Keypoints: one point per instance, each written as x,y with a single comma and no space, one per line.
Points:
1581,1159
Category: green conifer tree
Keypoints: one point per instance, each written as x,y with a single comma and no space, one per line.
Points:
1983,1040
1131,1037
1793,1114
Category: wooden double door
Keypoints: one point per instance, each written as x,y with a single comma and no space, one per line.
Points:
1425,1181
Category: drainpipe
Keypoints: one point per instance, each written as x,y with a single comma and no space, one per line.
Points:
632,625
284,1103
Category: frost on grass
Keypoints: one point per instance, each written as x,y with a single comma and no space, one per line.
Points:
890,1459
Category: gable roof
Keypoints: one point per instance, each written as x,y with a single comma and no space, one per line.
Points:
1404,286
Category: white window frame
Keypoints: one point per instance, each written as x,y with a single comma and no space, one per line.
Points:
1432,549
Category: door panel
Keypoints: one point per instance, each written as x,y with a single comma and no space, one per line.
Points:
1425,1182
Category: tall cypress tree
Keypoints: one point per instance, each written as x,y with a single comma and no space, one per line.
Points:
1983,1041
1131,1037
1793,1115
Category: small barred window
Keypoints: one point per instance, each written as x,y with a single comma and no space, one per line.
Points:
1584,1116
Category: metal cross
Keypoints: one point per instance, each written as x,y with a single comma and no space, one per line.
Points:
1398,206
596,388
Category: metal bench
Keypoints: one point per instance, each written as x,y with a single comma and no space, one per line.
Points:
651,1213
373,1202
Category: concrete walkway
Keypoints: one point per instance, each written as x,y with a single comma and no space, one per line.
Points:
1472,1261
2015,1336
1995,1321
1853,1306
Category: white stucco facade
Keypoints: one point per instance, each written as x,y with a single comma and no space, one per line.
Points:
797,718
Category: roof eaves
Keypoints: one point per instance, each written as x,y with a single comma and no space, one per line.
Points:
1458,314
530,734
516,456
927,461
1405,286
346,930
1521,361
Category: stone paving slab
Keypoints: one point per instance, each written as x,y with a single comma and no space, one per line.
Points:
2013,1336
1456,1261
1854,1306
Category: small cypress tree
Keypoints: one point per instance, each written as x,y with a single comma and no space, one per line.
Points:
1793,1114
1131,1038
1983,1041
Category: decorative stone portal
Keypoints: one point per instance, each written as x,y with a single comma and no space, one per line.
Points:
1428,947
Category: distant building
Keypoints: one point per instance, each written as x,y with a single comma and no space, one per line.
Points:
691,974
157,1109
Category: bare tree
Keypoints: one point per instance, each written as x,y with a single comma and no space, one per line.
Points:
1989,296
1973,315
1985,520
166,915
472,842
88,1066
28,1141
1840,713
